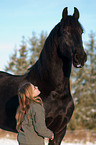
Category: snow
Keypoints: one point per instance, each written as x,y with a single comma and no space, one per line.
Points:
6,141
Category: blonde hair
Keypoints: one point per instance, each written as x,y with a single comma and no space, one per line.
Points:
25,95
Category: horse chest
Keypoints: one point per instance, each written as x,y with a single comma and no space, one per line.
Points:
59,107
58,113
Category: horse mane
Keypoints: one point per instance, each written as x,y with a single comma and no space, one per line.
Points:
49,41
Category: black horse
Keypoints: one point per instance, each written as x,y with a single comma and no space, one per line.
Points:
51,73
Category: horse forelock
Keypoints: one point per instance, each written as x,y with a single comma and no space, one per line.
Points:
71,23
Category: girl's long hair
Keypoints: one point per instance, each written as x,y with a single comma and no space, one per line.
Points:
25,95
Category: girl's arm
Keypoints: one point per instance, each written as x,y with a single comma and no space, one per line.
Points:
38,118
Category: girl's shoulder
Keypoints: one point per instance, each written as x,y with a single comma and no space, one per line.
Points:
36,106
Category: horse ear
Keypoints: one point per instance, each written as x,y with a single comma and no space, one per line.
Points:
76,13
64,13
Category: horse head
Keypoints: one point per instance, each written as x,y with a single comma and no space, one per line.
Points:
70,43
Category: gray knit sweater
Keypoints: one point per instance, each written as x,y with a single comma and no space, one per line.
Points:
33,132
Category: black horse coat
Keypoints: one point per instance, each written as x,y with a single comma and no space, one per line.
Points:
51,73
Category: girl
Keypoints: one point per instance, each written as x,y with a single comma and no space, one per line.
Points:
30,117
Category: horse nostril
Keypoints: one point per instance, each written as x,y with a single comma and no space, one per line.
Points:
76,57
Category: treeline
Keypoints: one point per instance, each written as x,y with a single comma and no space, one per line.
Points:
27,54
84,90
83,80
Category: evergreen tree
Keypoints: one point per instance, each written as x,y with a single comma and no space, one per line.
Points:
23,63
12,63
18,61
25,57
36,46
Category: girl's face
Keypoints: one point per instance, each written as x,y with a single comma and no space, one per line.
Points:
36,91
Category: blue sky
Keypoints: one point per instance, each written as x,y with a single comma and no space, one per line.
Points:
21,17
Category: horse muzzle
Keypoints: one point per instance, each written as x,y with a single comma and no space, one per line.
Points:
79,60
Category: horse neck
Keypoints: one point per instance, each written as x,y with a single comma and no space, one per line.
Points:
49,49
49,60
50,69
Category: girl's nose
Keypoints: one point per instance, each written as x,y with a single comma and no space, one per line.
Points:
36,87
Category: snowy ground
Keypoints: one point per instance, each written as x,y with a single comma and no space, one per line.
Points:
6,141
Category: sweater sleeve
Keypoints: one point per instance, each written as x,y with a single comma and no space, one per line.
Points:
38,118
